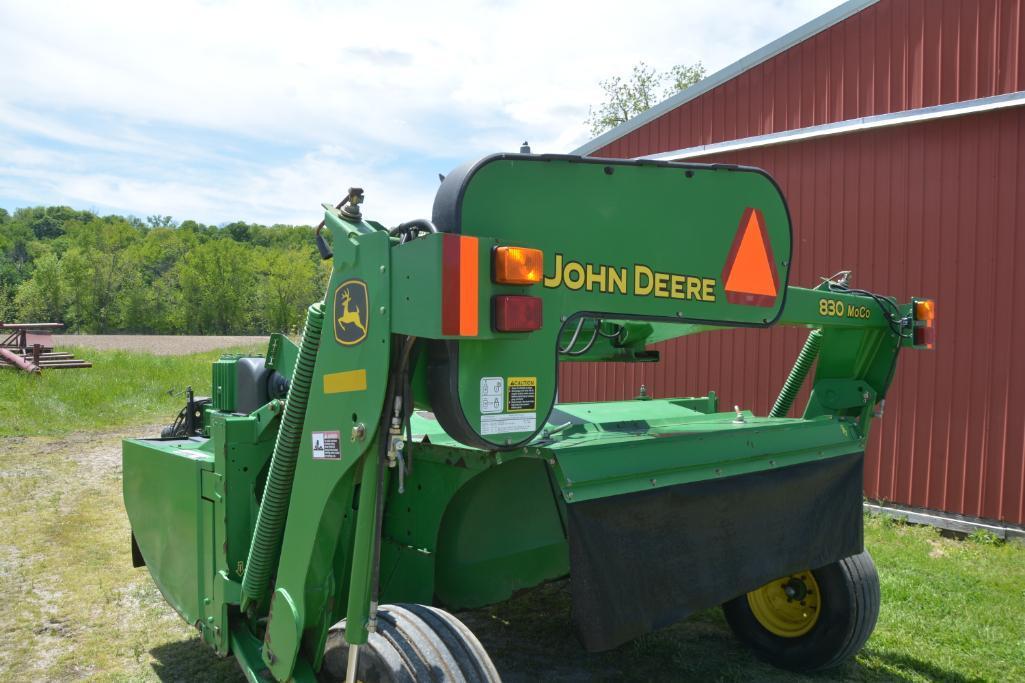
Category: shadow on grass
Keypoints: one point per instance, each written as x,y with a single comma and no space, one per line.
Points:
532,638
193,660
901,667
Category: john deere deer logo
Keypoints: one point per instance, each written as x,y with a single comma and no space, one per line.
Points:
351,308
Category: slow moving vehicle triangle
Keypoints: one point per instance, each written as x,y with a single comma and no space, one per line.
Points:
750,275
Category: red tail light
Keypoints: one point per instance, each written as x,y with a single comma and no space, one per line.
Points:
925,336
516,313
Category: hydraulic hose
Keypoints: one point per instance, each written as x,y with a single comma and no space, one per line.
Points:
270,522
805,359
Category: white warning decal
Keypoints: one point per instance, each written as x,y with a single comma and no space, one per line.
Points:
492,395
326,446
508,423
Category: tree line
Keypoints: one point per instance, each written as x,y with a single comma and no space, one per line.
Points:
107,274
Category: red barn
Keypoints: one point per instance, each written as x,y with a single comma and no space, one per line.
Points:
896,129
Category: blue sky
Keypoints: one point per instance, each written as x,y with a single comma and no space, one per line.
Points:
222,111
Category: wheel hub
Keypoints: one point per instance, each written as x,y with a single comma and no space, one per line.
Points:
787,607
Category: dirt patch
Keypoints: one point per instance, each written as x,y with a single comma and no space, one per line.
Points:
82,611
161,345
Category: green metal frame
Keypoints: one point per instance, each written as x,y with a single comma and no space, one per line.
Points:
473,525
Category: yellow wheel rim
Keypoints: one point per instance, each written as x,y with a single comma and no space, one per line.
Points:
787,607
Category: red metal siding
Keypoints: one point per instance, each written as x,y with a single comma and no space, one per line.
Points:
892,56
928,209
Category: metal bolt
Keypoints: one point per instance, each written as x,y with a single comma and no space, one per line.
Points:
654,481
382,269
569,495
383,309
359,432
551,461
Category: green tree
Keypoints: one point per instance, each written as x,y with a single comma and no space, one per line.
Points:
8,309
97,272
158,221
160,249
238,231
216,288
645,87
41,297
119,273
48,222
289,283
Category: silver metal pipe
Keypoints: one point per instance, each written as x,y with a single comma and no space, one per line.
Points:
350,668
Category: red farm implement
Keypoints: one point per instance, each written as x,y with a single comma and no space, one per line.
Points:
29,347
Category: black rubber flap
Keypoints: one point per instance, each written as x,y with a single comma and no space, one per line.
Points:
645,560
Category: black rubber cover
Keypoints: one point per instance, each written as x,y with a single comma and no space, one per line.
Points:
645,560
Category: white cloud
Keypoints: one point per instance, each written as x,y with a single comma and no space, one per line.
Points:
213,109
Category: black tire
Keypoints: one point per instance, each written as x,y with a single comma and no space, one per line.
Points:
413,644
848,611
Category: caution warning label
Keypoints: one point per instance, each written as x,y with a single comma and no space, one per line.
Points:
326,446
522,394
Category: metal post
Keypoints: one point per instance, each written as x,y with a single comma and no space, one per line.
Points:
350,668
17,361
363,551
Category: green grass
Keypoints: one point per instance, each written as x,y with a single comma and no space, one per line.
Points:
121,388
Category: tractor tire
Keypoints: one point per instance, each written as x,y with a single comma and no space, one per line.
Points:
412,644
810,620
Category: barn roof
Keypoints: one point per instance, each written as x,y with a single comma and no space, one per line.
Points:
798,35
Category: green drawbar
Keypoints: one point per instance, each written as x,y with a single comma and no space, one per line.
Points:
270,522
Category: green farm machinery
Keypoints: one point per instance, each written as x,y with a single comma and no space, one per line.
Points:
315,515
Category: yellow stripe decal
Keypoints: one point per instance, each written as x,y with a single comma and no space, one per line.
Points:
341,382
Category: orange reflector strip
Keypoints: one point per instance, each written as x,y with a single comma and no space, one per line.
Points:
925,310
459,285
468,287
517,266
750,276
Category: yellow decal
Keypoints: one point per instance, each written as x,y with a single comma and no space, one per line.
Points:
833,308
641,280
521,394
342,382
351,308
